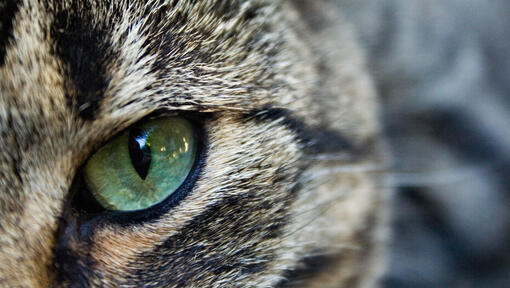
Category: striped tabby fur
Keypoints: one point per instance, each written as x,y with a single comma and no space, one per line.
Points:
290,192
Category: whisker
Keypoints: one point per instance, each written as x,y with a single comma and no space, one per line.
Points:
331,157
325,208
351,168
334,249
327,202
436,178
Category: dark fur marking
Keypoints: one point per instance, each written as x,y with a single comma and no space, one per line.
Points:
431,215
465,133
315,139
470,139
8,10
72,261
83,48
11,158
169,39
181,256
311,267
14,154
308,11
227,9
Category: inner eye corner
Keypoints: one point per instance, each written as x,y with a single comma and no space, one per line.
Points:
106,182
81,200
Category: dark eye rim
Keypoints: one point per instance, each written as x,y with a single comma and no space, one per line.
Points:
91,212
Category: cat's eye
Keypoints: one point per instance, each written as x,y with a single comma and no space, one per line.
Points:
142,166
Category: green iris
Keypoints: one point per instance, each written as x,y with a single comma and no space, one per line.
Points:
142,166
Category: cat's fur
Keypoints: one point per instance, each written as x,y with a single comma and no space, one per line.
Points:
290,192
442,69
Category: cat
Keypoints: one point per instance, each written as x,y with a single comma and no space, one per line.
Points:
289,188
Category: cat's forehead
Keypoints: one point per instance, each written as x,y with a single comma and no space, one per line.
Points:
108,60
110,64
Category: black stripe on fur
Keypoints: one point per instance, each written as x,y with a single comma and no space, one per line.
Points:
233,242
315,139
8,10
83,48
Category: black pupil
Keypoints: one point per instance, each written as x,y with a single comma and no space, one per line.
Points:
140,152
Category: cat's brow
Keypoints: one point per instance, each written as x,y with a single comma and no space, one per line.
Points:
133,62
316,139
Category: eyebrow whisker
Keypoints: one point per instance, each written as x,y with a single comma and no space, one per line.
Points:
435,178
351,168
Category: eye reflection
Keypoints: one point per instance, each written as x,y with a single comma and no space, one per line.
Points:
140,152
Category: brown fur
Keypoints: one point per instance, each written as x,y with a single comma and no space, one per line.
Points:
266,198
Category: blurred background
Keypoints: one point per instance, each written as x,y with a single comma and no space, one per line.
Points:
442,68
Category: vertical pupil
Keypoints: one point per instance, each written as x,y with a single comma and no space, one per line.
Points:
140,152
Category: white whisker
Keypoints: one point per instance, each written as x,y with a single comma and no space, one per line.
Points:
435,178
332,157
350,168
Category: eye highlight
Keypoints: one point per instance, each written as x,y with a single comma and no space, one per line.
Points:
142,166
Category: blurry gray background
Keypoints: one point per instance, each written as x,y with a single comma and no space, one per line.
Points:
442,68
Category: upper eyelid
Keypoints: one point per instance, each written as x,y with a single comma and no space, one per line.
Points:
116,129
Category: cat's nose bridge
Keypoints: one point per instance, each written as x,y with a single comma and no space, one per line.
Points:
30,205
